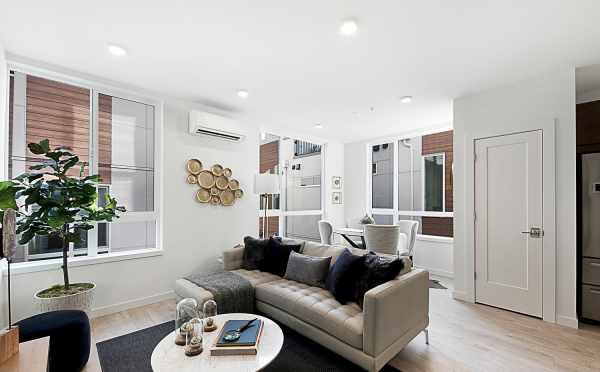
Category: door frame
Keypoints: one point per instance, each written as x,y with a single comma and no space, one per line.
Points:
547,126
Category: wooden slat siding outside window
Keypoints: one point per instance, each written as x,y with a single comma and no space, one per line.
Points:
105,140
269,156
588,126
438,226
269,159
434,144
272,227
59,112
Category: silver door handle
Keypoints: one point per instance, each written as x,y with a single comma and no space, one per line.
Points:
534,232
593,291
594,264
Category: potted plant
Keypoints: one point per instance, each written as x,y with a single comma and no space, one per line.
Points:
50,202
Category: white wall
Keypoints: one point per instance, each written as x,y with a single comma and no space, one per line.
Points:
3,123
543,98
435,255
355,175
194,234
334,166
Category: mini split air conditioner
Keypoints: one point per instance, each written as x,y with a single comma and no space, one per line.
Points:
215,126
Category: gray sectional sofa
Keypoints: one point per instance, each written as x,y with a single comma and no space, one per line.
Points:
392,315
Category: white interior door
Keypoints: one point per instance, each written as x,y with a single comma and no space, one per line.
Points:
508,222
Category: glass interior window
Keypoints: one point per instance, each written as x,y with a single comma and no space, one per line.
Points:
434,182
409,174
383,219
126,151
303,227
46,109
302,175
382,175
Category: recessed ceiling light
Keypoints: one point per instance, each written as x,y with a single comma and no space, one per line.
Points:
406,99
242,93
348,27
116,50
319,126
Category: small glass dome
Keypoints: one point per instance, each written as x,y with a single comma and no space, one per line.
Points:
210,311
187,309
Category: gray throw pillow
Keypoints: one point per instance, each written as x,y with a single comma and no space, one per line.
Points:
307,269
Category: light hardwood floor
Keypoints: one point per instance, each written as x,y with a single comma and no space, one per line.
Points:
463,337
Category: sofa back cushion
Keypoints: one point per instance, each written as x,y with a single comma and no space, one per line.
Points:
322,250
277,255
342,276
309,270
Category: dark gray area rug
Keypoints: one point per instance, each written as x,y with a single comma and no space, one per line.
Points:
132,352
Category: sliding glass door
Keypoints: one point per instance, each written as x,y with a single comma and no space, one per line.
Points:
294,212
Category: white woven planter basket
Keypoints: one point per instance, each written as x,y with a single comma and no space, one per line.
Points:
79,301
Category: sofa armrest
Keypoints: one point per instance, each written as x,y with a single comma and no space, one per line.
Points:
393,308
233,258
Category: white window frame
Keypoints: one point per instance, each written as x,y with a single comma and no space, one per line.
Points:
96,87
394,210
281,213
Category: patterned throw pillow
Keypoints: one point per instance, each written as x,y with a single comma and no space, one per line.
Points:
376,270
254,253
307,269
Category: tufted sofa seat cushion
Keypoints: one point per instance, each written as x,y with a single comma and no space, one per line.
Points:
317,307
256,277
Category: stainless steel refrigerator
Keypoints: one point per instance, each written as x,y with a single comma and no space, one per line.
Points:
590,236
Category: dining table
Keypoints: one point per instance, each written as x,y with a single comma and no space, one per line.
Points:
348,232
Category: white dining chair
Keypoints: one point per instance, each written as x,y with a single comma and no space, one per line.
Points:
410,228
326,232
382,238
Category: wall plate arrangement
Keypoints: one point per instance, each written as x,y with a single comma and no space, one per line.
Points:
215,183
336,197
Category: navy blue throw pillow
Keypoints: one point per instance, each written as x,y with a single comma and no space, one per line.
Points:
277,255
342,276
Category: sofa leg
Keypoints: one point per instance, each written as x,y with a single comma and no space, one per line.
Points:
426,331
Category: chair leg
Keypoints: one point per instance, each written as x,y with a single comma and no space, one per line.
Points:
426,331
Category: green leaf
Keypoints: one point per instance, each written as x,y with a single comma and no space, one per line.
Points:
69,163
7,195
27,236
40,148
39,166
93,178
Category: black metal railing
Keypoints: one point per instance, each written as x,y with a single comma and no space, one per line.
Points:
303,148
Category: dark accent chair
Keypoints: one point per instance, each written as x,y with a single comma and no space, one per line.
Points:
70,338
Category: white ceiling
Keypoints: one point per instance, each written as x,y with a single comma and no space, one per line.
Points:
298,69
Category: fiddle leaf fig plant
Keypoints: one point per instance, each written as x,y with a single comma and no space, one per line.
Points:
50,201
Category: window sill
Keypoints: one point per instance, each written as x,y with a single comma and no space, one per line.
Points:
55,263
435,239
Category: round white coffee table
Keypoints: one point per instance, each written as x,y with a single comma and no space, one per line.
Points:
169,357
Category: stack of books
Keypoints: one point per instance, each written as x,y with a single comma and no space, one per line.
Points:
247,344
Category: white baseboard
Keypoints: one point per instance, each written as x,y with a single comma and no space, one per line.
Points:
436,272
567,321
126,305
460,295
